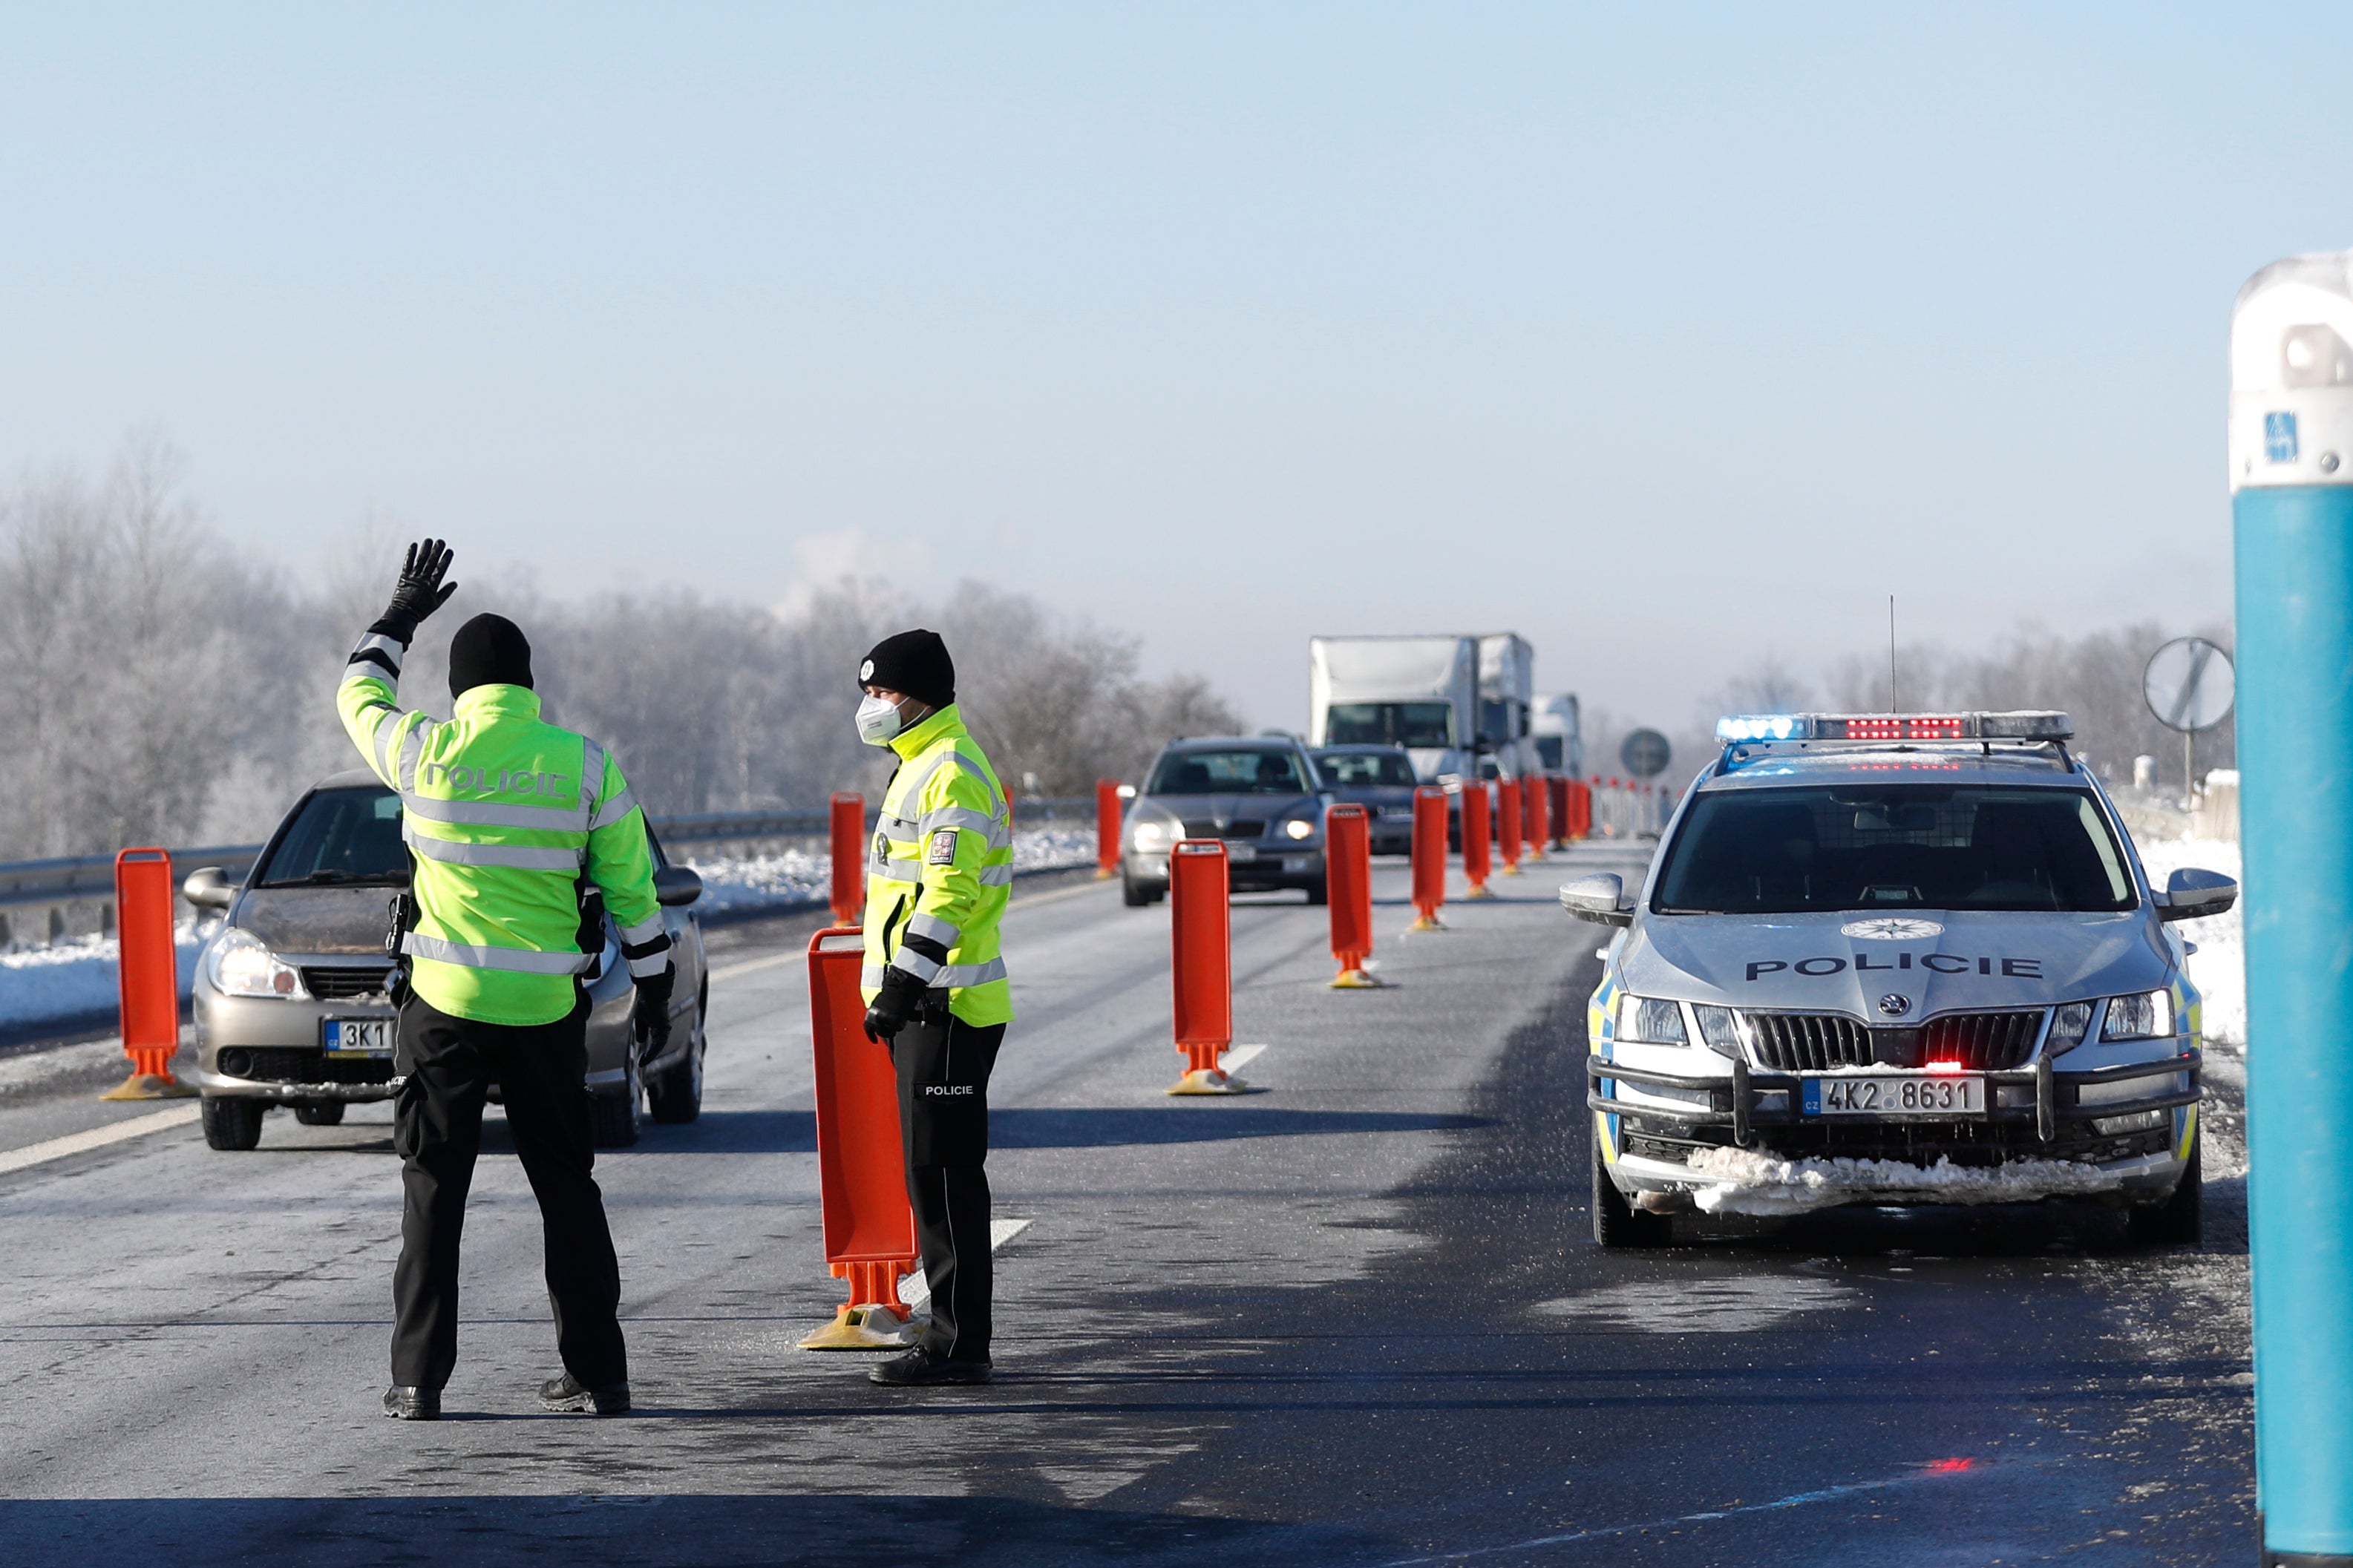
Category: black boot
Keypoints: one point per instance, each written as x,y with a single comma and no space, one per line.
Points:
570,1394
412,1403
919,1368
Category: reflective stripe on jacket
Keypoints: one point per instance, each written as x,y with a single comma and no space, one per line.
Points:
502,832
941,865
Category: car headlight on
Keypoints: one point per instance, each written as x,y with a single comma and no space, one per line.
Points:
1299,827
239,964
2068,1025
1647,1020
2145,1016
1151,835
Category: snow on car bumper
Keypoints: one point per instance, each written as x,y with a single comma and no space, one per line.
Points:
1736,1145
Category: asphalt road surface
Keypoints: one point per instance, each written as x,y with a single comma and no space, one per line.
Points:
1354,1319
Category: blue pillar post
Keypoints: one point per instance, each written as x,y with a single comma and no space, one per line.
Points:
2292,506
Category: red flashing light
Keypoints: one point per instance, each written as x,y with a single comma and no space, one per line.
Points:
1907,728
1947,1067
1950,1467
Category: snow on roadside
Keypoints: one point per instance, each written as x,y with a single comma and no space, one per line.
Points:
77,976
2219,967
799,877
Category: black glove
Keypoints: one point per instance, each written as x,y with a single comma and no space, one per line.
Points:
650,1012
420,590
902,992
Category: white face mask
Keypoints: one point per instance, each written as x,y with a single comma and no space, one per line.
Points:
878,721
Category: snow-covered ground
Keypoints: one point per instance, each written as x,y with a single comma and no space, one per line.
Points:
2219,967
77,977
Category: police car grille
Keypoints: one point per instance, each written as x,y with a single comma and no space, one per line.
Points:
1794,1042
1982,1042
334,984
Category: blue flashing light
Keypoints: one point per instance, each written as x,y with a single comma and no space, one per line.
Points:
1760,726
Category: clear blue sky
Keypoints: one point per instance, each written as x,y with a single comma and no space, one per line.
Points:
1661,334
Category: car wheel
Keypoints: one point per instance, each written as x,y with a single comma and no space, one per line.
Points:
1618,1225
320,1113
676,1095
1319,891
232,1123
615,1118
1133,893
2180,1220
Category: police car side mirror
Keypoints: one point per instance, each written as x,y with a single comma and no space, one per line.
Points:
675,886
1599,897
208,888
2190,893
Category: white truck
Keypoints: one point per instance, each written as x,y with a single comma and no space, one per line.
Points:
1507,687
1419,692
1559,738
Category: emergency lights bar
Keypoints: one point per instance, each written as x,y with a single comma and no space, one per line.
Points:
1882,727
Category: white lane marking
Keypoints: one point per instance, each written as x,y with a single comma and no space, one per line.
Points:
96,1138
753,965
1731,1306
914,1290
1941,1469
1235,1059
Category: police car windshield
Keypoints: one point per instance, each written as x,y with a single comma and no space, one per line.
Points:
1228,773
340,835
1360,770
1902,847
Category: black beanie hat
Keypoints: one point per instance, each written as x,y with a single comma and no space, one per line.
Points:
916,663
489,650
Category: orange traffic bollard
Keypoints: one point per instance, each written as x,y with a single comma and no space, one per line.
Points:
1107,816
1428,855
1556,808
148,976
1475,860
1201,964
861,1174
1508,825
1582,794
848,850
1535,804
1348,884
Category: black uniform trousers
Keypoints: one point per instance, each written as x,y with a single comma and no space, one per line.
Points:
449,1063
944,1065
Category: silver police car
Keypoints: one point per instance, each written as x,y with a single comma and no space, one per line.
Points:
290,993
1894,960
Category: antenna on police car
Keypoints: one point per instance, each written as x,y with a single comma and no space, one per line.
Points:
1891,653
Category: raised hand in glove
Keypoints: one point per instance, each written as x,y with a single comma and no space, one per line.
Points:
651,1010
420,590
894,1006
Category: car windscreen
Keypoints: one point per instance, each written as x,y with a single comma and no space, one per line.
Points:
340,835
1902,847
1249,771
1359,769
1428,724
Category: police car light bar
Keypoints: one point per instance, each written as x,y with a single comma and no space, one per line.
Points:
1883,727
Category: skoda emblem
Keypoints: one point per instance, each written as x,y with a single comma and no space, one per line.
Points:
1896,1006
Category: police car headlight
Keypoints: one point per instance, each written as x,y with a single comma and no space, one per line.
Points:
240,965
2148,1015
1299,827
1719,1030
2068,1025
1647,1020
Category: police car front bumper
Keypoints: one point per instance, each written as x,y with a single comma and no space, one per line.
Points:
2118,1121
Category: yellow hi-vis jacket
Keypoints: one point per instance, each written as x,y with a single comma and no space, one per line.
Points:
504,816
941,868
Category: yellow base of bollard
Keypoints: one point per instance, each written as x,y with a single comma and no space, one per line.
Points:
867,1328
1354,979
1208,1080
1511,871
150,1085
1104,873
1425,922
1481,891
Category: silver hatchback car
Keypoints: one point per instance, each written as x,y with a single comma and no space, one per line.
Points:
1894,960
290,997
